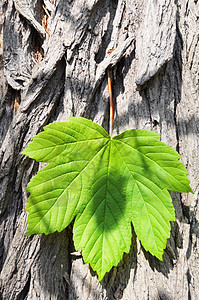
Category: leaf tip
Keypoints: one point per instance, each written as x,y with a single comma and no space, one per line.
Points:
28,233
24,152
100,277
160,258
160,255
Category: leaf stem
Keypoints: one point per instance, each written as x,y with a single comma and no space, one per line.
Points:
111,104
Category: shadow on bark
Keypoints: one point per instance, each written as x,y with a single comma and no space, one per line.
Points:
53,264
117,279
162,296
171,77
99,56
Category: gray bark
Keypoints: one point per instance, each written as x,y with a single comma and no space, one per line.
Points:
53,61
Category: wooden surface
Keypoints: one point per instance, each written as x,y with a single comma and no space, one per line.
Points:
53,62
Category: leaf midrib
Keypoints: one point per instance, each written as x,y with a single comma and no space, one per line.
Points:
71,183
130,172
64,144
149,220
148,158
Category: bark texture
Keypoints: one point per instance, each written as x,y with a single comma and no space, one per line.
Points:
53,62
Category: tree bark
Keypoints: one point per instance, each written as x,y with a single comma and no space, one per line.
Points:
53,62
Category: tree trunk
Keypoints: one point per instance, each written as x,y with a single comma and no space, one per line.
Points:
53,62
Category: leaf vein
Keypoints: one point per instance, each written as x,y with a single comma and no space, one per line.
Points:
74,180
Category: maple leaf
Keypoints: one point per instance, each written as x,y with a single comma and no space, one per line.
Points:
104,184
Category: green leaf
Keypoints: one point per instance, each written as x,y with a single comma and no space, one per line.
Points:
104,184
